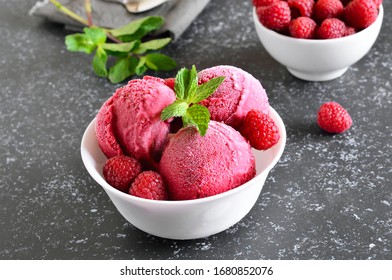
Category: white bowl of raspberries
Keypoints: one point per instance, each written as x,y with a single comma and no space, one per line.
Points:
317,40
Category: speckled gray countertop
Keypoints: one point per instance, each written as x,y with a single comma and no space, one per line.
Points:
329,197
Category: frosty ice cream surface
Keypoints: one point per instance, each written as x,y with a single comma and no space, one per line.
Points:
193,162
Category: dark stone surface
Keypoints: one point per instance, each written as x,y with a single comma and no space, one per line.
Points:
329,197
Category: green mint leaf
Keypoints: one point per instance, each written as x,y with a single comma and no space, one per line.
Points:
179,85
157,61
122,69
199,116
141,68
120,48
137,29
186,86
177,109
85,42
97,35
99,62
80,42
152,45
206,89
192,86
186,83
188,94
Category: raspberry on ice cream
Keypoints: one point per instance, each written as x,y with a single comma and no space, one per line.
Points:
235,97
149,184
260,130
120,171
195,166
129,122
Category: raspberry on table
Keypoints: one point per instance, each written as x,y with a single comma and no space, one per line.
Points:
331,28
120,171
360,14
333,118
324,9
150,185
301,8
260,130
303,27
276,16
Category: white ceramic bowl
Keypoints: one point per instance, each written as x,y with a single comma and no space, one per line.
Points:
188,219
318,60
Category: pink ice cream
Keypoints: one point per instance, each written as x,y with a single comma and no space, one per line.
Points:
235,97
197,166
129,122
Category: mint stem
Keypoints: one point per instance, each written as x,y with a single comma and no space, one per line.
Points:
68,12
88,9
111,37
81,20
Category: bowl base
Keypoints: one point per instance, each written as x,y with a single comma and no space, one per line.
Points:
317,77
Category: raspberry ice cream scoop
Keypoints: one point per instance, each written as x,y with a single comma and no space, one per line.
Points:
195,166
235,97
129,122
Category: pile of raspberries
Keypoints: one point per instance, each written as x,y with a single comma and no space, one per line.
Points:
317,19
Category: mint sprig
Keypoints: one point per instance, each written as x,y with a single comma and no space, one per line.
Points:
188,95
129,57
121,52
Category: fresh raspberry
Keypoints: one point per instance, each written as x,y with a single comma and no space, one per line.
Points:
333,118
120,171
260,130
301,8
345,2
170,82
259,3
360,13
331,28
303,27
149,184
324,9
349,31
377,2
276,16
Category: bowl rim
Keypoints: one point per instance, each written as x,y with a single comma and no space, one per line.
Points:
99,179
316,41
